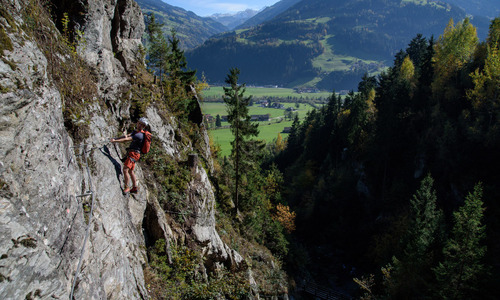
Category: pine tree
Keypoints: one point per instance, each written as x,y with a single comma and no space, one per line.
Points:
241,127
177,67
458,274
412,273
218,122
158,50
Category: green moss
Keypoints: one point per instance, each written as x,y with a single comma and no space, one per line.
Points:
4,14
3,89
5,42
28,242
12,65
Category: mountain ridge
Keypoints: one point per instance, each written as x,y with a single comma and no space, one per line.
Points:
268,13
232,21
324,44
192,30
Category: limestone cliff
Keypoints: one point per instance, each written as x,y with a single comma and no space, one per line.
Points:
45,204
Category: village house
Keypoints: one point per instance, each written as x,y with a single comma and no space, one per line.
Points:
209,118
263,103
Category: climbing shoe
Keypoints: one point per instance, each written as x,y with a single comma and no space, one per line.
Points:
134,190
126,191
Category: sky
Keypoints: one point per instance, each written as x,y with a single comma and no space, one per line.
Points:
205,8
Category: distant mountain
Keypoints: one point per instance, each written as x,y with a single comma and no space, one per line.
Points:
268,13
192,30
485,8
327,44
233,20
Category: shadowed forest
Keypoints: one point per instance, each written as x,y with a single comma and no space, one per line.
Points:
388,193
397,185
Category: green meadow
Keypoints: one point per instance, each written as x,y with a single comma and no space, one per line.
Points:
268,131
215,92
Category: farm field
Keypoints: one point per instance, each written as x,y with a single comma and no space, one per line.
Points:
268,130
218,108
257,92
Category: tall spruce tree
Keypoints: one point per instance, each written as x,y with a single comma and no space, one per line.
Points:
412,272
461,269
241,127
158,48
177,67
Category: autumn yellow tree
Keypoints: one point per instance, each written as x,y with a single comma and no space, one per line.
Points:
454,48
285,217
485,96
280,143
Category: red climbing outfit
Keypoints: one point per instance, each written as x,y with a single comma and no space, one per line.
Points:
132,158
134,150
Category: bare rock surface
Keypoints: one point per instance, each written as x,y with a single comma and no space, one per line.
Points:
45,208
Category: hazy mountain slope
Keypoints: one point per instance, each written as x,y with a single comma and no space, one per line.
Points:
327,44
233,20
484,8
192,29
268,13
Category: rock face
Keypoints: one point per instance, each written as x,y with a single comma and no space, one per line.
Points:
45,207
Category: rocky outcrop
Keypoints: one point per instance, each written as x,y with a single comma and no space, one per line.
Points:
112,41
45,207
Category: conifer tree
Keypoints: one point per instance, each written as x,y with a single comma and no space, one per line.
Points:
241,127
177,67
426,222
458,274
218,121
412,272
158,50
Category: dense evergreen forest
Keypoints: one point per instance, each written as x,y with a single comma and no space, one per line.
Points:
388,193
397,185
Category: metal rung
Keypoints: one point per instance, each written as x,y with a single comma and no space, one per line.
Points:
84,195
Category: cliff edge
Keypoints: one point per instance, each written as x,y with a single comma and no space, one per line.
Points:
65,226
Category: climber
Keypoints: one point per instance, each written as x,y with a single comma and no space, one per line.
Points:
133,154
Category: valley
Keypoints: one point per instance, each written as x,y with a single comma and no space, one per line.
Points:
293,103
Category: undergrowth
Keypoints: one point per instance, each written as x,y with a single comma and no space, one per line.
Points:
185,279
76,81
172,178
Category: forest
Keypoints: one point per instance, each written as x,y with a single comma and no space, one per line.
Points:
305,39
397,185
388,193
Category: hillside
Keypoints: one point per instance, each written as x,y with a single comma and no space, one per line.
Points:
327,44
485,8
192,30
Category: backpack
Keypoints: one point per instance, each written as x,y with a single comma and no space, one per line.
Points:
146,144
